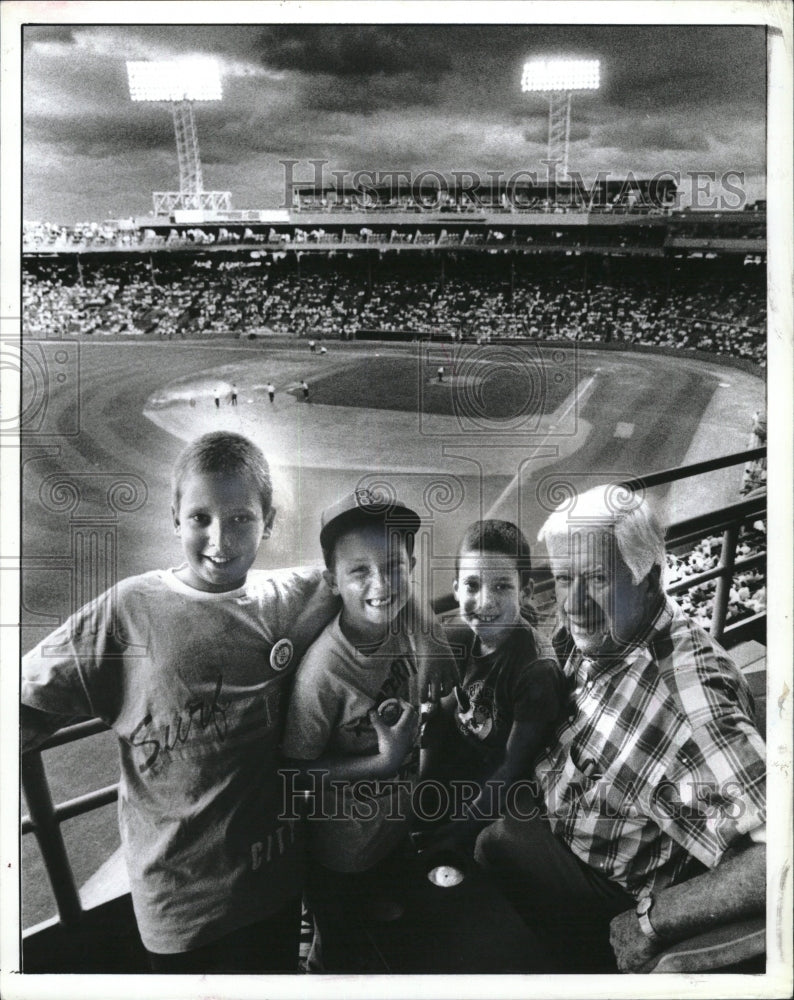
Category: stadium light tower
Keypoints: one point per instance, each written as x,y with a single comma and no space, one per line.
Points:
180,83
559,78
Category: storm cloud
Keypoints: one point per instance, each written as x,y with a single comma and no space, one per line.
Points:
378,96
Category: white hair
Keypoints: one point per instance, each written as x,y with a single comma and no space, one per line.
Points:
628,515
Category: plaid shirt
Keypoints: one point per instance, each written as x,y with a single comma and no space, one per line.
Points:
659,761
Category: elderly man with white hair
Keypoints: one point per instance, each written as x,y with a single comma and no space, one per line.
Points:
650,808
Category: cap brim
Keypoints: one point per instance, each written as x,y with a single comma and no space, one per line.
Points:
395,516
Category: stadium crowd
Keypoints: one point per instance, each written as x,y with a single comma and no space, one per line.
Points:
535,298
747,593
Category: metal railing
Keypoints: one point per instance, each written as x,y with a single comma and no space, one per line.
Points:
728,521
45,818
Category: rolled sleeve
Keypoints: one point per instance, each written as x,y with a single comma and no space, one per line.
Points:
310,716
538,694
715,790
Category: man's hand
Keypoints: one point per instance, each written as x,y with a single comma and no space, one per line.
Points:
734,890
633,950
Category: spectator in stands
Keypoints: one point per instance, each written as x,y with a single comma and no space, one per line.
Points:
635,782
633,303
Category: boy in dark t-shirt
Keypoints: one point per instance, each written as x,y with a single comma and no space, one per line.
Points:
511,691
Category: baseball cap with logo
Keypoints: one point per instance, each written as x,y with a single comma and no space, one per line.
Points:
365,506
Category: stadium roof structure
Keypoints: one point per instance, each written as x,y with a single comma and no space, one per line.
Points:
559,78
180,83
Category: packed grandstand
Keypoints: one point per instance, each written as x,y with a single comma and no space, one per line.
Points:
706,305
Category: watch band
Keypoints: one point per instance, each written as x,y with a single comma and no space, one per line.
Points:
643,916
647,927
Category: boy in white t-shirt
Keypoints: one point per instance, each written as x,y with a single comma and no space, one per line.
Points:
190,667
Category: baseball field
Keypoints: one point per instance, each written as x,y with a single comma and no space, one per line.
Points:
500,433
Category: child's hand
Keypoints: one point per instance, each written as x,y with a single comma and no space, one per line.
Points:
438,700
396,740
432,702
445,678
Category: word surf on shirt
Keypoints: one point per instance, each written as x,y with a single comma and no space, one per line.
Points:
200,715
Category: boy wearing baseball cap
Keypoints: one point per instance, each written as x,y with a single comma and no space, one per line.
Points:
353,721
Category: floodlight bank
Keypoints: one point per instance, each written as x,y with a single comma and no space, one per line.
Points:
195,79
561,74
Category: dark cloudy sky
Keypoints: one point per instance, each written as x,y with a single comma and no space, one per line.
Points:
387,96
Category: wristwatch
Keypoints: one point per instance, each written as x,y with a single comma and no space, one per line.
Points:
643,915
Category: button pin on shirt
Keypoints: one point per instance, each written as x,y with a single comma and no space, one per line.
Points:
589,769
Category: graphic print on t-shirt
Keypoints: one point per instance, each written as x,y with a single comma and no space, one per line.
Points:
395,685
479,719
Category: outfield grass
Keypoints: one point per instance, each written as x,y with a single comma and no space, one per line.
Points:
471,387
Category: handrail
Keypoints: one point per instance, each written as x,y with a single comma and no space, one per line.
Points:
78,731
695,527
45,818
696,469
47,828
695,579
76,807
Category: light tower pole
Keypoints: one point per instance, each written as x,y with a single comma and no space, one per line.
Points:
180,83
559,78
191,181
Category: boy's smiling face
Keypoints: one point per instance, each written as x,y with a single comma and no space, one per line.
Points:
221,523
489,594
371,572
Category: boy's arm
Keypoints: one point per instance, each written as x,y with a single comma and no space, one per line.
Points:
523,744
538,701
53,689
35,726
439,734
78,671
304,605
394,742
